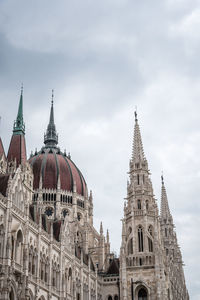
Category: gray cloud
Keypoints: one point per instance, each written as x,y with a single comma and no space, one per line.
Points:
102,59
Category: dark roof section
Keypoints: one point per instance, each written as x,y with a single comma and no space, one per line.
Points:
114,267
4,184
51,164
17,149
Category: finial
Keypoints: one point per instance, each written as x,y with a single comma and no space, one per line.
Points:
135,113
22,88
101,228
52,97
162,178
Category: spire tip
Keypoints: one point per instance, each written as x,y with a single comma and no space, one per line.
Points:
22,88
52,96
135,115
162,178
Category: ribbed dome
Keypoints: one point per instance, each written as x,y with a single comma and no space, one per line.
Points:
52,164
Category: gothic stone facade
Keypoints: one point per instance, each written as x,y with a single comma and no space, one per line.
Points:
49,248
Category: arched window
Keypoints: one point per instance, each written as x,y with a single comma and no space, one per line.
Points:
18,253
12,294
138,179
150,230
109,297
142,294
140,239
150,244
70,281
166,232
129,230
140,261
139,204
147,204
116,297
130,246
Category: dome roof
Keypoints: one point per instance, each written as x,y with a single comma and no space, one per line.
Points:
54,167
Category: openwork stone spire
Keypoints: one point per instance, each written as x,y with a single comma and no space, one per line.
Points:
19,126
51,137
138,152
165,212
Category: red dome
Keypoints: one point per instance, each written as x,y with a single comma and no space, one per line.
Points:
51,164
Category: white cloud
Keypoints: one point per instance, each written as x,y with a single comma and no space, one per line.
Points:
102,59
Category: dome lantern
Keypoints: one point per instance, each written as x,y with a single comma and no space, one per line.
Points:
51,136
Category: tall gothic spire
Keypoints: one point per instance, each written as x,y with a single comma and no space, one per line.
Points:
138,152
19,126
165,212
51,137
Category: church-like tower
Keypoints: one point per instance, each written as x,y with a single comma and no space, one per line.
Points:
141,258
173,264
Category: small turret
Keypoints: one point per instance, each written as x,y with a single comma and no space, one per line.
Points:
17,148
165,211
101,228
107,237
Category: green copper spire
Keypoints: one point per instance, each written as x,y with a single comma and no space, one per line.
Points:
51,137
19,126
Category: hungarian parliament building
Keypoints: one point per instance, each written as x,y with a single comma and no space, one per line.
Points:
49,248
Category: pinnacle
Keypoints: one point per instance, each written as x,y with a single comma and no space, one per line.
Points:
165,211
138,152
101,228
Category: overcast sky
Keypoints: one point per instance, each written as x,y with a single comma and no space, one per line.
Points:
103,58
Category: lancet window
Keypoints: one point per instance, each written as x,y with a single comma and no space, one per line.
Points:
142,294
139,205
147,204
19,248
140,239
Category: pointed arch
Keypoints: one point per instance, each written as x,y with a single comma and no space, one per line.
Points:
142,293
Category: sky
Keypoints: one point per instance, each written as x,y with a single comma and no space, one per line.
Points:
103,59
